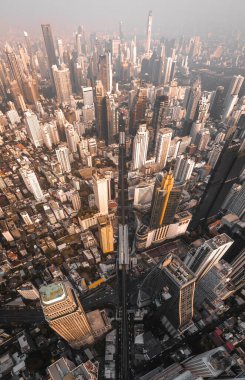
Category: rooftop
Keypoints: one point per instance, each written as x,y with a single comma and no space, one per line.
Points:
52,293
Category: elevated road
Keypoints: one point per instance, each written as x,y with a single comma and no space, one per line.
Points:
123,370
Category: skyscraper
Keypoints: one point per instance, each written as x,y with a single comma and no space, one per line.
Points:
88,96
62,153
106,234
75,199
105,71
233,90
138,108
208,254
65,314
140,147
100,187
49,45
210,364
111,118
100,109
72,137
16,72
217,104
237,202
173,284
163,140
194,97
33,128
225,173
202,139
167,70
148,33
30,179
62,84
159,113
165,200
183,168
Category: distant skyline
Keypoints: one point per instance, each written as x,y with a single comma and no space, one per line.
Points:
170,17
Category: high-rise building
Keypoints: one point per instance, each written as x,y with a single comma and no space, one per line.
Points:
60,48
163,140
161,106
65,369
75,199
111,118
217,104
208,254
100,187
72,137
65,314
137,112
202,139
210,364
62,153
225,173
16,71
46,135
88,99
31,182
167,70
193,100
33,128
140,147
202,111
62,84
105,71
100,109
183,168
28,291
173,284
233,90
236,205
165,200
105,234
148,33
214,155
237,276
49,45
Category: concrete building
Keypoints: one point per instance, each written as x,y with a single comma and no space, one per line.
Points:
140,147
106,234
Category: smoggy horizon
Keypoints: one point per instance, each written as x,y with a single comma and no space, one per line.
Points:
171,18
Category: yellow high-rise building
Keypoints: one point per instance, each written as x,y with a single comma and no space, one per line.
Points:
65,314
106,234
165,200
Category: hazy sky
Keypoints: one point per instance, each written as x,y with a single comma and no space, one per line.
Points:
169,16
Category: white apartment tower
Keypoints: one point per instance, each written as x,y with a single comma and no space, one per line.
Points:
62,153
100,187
140,147
33,128
162,145
183,168
31,182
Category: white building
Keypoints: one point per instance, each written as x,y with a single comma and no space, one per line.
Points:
162,145
62,153
100,187
140,147
31,182
72,137
33,128
183,168
209,364
208,254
